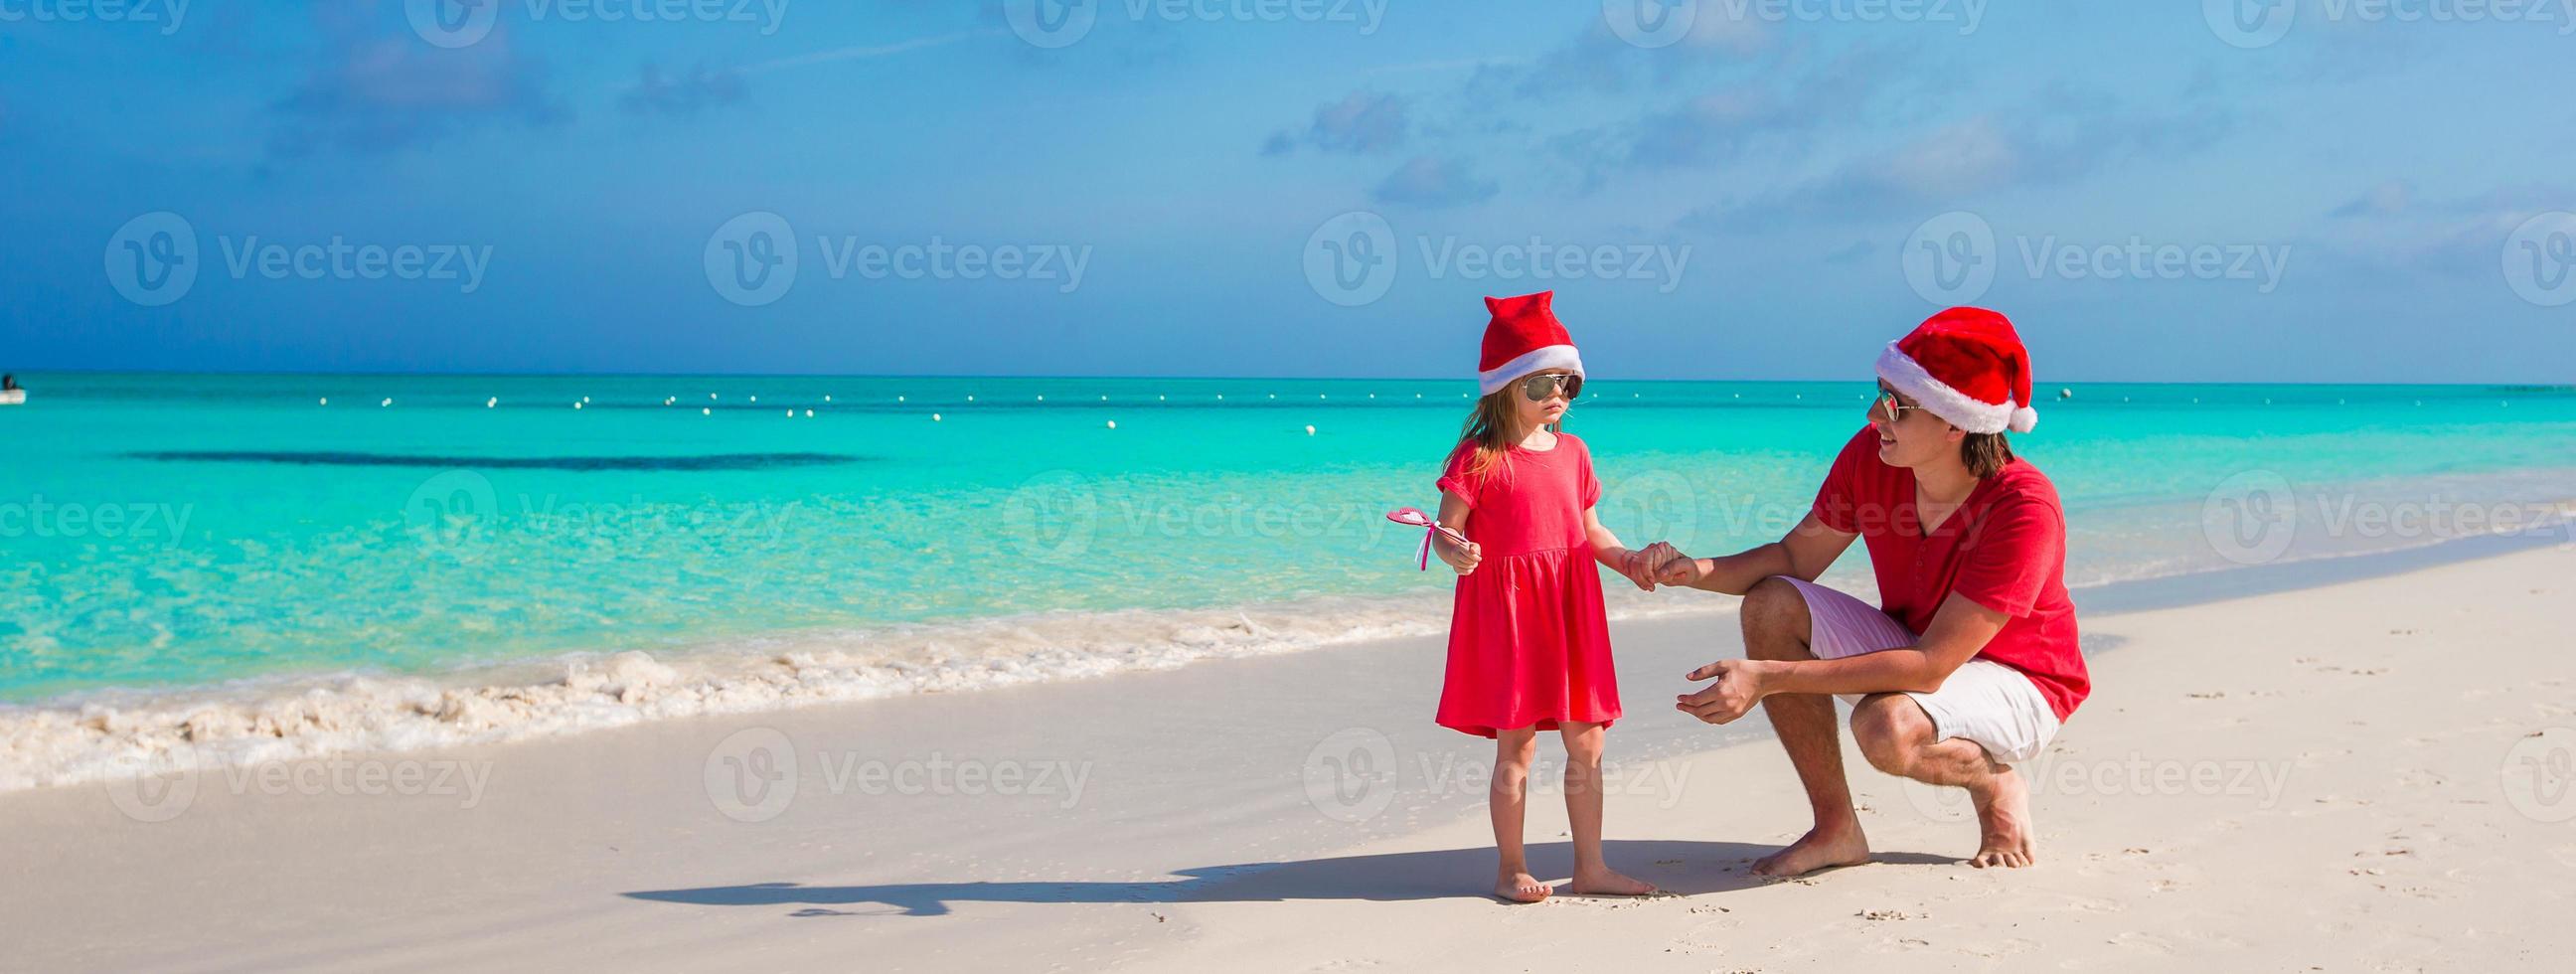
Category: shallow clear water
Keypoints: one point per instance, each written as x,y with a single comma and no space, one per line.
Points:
179,531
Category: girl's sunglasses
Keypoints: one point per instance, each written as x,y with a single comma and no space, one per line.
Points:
1538,387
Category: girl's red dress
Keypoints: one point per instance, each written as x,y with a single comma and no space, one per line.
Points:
1529,644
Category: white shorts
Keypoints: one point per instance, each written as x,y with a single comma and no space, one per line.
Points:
1982,701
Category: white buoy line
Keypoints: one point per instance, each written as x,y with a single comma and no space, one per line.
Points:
494,402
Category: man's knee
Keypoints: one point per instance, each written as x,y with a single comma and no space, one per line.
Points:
1776,625
1890,728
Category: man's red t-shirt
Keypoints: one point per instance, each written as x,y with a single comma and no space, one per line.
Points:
2004,548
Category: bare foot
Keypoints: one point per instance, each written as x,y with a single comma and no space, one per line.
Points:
2003,819
1817,850
1608,883
1521,888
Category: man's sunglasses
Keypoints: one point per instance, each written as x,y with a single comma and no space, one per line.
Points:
1539,387
1887,404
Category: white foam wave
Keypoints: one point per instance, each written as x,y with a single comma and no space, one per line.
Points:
104,734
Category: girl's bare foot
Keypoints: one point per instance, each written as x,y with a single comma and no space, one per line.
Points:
2003,824
1608,883
1521,888
1816,850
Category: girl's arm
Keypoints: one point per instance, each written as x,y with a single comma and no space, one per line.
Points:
1612,555
1462,557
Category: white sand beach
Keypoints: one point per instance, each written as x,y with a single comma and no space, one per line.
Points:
2370,775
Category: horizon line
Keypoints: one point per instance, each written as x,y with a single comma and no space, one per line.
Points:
2539,386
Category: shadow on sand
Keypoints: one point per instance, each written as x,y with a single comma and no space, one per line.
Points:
1687,868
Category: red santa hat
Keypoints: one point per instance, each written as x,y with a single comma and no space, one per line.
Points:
1523,338
1967,366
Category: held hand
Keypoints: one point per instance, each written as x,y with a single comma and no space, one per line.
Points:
1738,688
1638,569
1463,556
1672,567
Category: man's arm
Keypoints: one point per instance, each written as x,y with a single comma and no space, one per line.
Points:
1803,554
1959,630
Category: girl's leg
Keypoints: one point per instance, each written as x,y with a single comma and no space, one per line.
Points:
1583,808
1513,752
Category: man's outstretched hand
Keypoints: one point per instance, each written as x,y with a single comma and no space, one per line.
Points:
1738,688
1671,566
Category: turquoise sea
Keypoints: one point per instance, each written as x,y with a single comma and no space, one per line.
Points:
397,553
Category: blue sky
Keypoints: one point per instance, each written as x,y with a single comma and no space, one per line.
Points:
1753,188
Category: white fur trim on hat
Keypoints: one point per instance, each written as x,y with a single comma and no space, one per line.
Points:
1538,359
1961,410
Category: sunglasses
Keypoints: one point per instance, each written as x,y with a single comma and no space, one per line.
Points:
1538,387
1895,410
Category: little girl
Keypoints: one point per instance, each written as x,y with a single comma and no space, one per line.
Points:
1529,645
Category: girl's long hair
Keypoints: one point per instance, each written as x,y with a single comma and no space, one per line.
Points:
1491,428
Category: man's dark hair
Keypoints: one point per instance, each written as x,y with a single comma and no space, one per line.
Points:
1985,453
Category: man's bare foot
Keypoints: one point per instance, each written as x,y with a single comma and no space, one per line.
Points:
1817,850
1608,883
1521,888
2003,821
